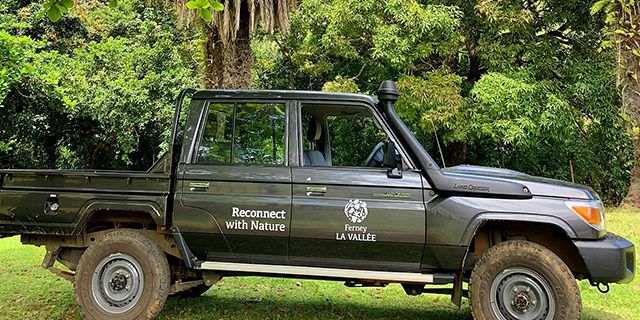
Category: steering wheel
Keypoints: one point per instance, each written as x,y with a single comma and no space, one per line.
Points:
376,157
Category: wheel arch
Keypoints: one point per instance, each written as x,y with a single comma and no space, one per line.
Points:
550,232
492,217
115,211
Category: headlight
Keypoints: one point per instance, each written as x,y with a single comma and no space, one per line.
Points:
592,212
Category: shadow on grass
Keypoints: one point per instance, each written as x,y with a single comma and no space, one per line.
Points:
214,307
595,314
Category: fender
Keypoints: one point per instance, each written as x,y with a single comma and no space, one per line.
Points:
91,206
484,217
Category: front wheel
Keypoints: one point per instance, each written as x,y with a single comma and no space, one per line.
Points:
521,280
123,275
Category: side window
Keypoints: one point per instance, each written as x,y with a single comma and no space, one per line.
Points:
244,133
341,136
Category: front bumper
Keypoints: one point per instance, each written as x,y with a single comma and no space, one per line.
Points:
608,260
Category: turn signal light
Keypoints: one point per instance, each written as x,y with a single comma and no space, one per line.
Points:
591,212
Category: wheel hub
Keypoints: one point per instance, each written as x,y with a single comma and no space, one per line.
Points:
522,294
521,301
117,283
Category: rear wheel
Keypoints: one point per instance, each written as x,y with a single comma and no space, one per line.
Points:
123,275
521,280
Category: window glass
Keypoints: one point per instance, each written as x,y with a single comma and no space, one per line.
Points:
260,134
215,146
355,139
341,136
256,130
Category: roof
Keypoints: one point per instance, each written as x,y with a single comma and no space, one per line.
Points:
282,94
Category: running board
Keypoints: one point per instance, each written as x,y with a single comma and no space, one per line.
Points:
318,272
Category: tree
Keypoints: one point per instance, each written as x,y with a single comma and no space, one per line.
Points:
621,16
228,59
94,90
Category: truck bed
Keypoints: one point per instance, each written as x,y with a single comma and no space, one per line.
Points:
24,195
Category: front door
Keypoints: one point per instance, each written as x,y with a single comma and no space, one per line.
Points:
235,194
346,211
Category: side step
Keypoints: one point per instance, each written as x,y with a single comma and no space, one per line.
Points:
318,272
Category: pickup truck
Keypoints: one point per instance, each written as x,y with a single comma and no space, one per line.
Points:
312,185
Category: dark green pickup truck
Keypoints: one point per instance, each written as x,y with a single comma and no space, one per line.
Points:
312,185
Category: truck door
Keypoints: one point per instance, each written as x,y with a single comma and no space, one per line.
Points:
346,211
235,185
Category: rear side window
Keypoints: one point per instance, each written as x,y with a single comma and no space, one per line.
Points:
244,133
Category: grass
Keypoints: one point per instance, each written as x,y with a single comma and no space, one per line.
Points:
30,292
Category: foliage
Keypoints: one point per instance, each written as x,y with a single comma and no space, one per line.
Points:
202,6
55,8
364,40
431,100
620,16
502,82
96,93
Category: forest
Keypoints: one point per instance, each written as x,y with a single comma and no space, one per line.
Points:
535,86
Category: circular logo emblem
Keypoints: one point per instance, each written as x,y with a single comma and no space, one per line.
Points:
356,210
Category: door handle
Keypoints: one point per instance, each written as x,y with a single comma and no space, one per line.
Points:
316,191
199,186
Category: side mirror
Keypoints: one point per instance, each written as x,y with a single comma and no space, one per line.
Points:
392,160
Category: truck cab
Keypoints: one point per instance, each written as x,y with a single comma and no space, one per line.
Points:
297,178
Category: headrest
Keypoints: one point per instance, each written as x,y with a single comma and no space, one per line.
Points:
314,132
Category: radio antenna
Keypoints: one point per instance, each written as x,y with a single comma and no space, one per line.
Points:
438,143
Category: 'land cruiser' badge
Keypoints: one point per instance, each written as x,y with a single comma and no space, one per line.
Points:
356,210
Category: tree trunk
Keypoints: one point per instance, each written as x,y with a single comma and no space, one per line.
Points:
628,75
228,64
475,68
631,105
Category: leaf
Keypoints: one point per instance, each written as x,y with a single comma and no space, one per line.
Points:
62,8
113,3
48,4
596,7
215,5
54,14
41,14
205,14
192,5
67,3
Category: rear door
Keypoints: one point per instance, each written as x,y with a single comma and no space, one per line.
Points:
235,189
346,211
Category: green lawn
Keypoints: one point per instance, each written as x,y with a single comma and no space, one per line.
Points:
29,292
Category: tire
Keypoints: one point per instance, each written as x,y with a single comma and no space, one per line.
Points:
122,275
193,292
523,280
